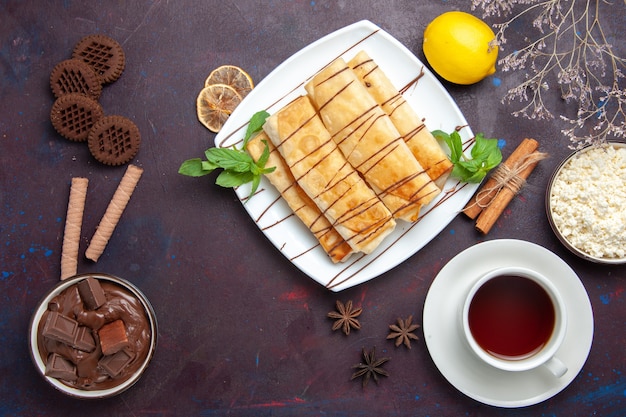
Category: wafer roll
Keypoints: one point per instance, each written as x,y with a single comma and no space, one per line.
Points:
73,224
113,212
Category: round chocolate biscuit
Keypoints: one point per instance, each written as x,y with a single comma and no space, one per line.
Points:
104,54
114,140
75,76
73,116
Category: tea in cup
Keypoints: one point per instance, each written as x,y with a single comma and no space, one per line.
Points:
514,319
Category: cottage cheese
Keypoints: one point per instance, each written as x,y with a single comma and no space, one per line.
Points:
588,201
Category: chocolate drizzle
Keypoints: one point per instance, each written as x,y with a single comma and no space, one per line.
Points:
349,270
404,188
357,224
339,277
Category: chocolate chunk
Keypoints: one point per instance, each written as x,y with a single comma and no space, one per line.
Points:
91,293
59,367
53,305
114,364
66,330
113,337
60,328
84,340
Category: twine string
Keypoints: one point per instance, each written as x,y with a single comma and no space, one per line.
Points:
509,178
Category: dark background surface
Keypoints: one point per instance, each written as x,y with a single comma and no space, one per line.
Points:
242,331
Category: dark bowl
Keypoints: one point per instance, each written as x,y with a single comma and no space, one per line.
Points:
40,363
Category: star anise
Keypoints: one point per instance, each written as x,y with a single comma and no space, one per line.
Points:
370,367
403,332
345,317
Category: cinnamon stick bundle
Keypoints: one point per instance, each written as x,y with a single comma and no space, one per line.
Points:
505,182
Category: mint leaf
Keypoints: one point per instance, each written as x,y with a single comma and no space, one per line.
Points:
439,134
256,180
229,158
454,142
237,165
230,179
485,155
493,159
483,147
256,124
209,166
193,168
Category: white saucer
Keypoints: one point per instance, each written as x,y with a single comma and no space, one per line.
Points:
460,366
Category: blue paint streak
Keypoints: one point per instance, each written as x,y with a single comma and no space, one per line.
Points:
601,394
496,81
605,298
501,143
601,103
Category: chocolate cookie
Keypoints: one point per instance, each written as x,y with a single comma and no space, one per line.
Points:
114,140
75,76
104,54
73,115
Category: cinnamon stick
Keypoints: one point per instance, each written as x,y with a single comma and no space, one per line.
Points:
73,224
113,212
490,214
488,191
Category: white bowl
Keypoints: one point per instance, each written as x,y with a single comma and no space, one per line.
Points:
40,363
558,228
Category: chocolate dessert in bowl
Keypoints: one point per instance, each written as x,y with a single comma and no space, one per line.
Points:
93,335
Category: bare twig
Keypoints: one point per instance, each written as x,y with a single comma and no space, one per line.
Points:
571,50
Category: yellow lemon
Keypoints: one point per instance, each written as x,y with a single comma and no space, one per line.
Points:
460,47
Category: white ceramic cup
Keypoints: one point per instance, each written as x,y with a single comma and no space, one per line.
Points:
546,355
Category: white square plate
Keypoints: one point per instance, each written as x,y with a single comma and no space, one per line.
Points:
427,96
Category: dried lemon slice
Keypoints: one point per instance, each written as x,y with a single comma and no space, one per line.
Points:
215,103
232,76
